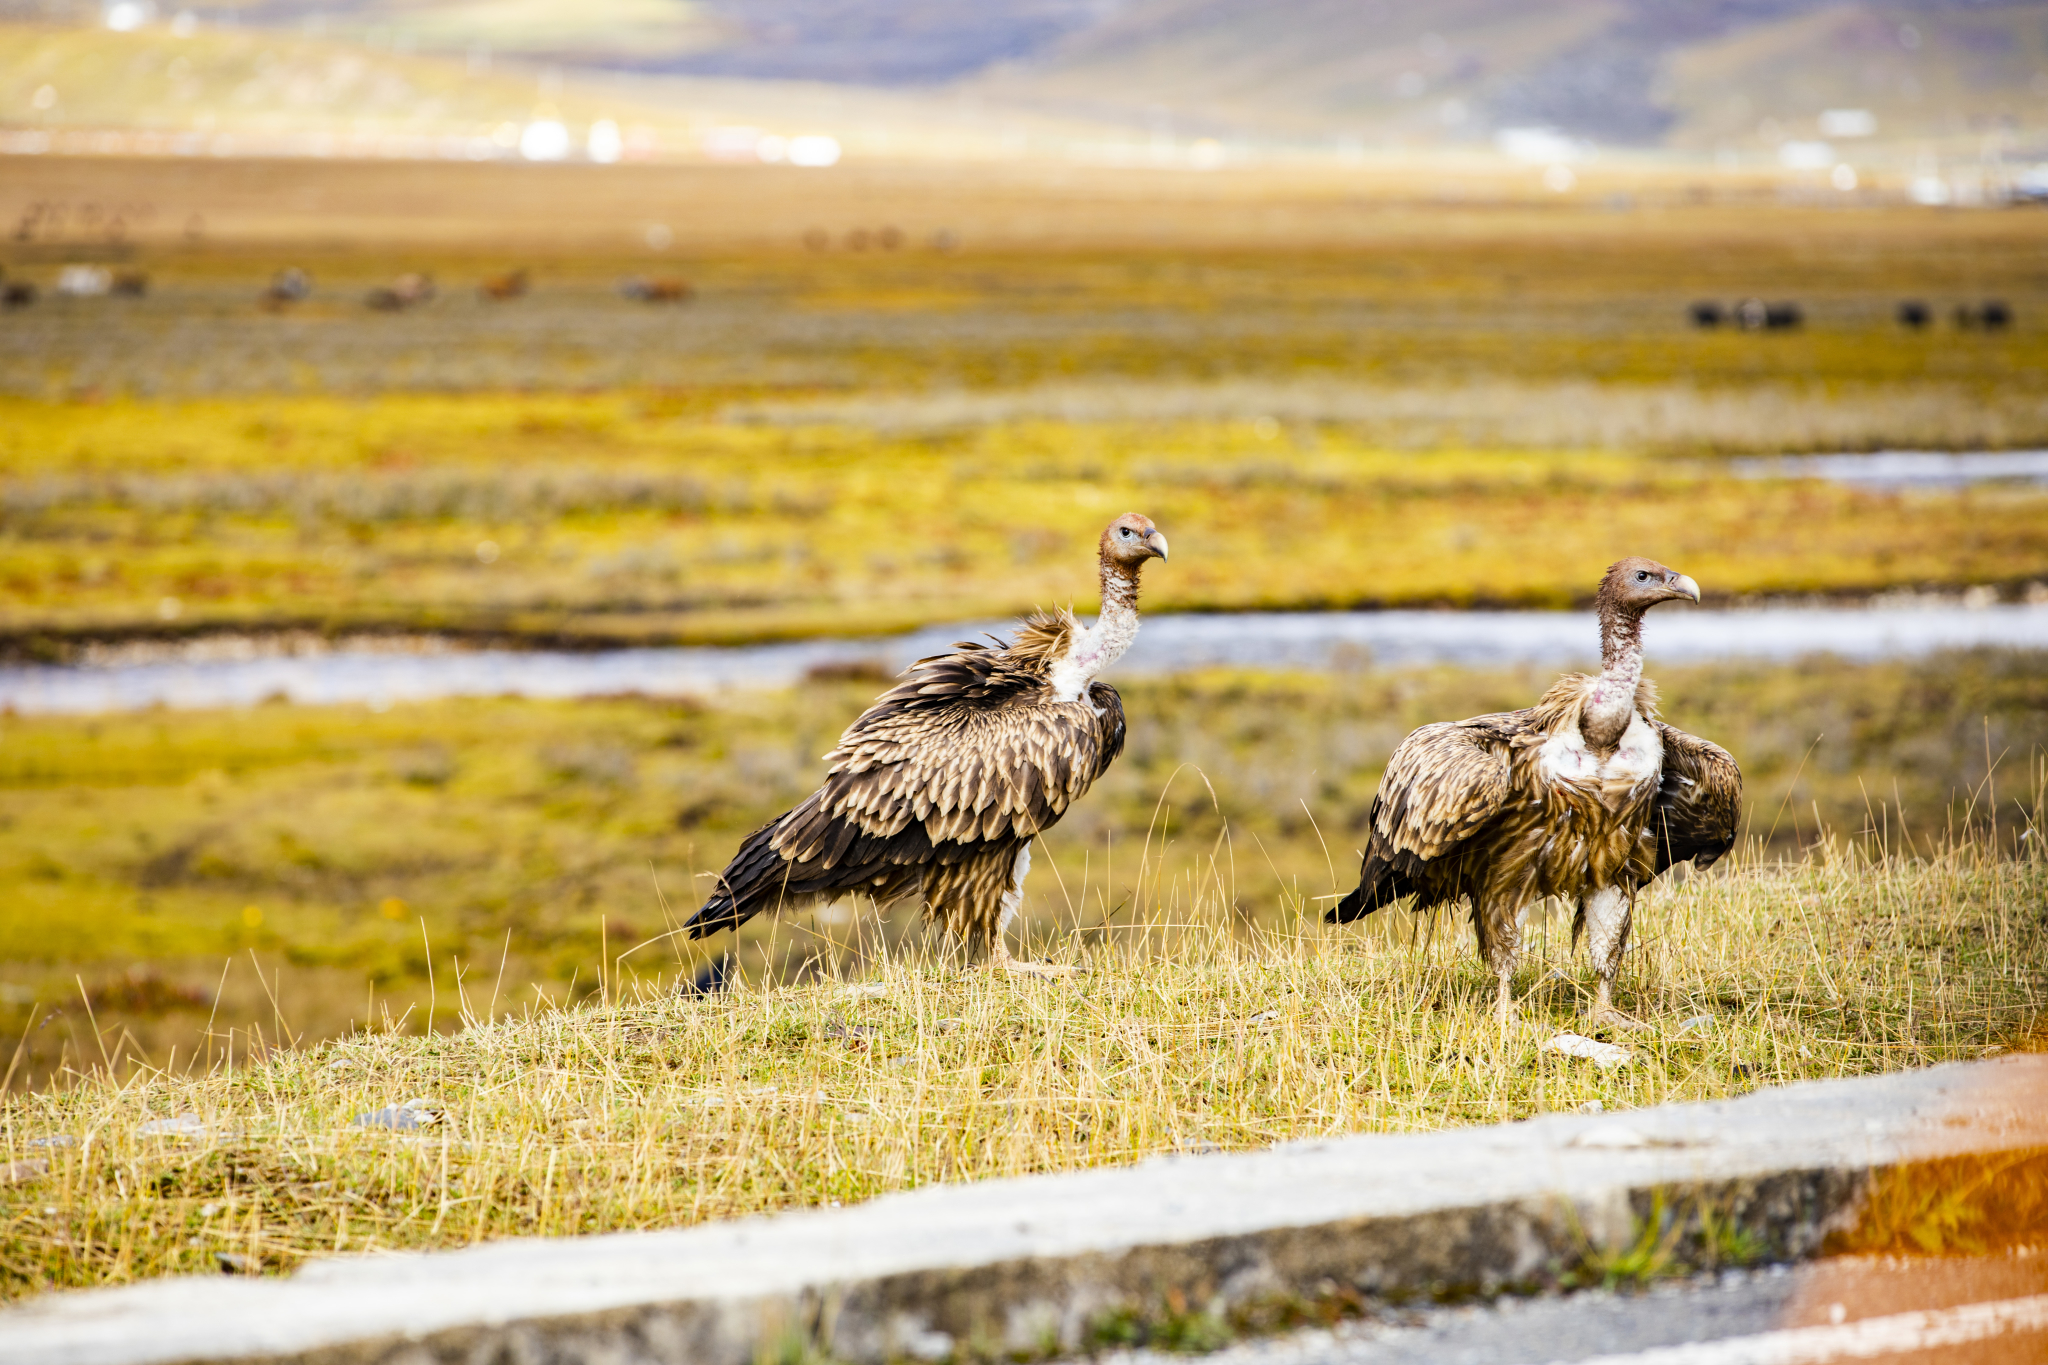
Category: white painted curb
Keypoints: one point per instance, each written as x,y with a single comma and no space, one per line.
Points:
1033,1263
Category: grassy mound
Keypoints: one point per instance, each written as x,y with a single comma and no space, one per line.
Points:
1189,1030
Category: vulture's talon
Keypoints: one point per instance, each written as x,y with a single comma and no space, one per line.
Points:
1047,969
1621,1023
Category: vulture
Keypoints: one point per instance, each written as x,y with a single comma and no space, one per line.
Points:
938,788
1585,795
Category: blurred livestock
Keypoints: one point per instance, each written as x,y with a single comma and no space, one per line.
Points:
407,291
666,289
1915,314
17,294
503,288
1754,315
1993,315
130,284
1751,315
289,285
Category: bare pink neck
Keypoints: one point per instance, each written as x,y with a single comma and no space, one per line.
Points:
1611,703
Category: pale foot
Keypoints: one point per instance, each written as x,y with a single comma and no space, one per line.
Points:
1604,1015
1615,1019
1001,958
1504,1005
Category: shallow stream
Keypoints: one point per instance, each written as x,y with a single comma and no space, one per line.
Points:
246,670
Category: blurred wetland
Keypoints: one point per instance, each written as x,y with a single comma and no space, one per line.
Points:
1327,399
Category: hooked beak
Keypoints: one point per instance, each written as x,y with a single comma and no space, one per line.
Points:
1156,543
1685,587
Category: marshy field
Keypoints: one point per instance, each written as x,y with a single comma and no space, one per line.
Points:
284,980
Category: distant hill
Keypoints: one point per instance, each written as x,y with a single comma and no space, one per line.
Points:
1620,72
1698,74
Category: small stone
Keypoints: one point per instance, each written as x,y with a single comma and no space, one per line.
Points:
1603,1055
414,1113
177,1126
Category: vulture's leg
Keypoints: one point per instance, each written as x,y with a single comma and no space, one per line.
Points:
1500,941
1607,911
1012,902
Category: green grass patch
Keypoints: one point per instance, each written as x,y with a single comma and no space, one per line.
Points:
613,519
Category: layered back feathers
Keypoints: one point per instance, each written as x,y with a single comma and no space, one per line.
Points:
966,756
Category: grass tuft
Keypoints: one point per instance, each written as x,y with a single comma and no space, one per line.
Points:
1189,1031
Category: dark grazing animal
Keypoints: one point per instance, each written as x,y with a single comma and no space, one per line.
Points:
939,788
1993,315
1705,313
1586,794
1914,314
1779,317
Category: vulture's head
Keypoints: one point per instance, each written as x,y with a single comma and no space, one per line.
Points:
1130,540
1635,585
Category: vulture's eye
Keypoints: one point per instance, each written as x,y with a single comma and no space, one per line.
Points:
1127,533
1642,576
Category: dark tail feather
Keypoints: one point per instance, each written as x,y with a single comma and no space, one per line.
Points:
752,882
1380,883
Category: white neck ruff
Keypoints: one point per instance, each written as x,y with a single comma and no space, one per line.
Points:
1094,648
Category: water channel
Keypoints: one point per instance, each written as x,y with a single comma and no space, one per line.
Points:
246,670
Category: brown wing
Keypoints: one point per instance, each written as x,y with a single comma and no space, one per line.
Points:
968,746
1442,784
1699,801
964,759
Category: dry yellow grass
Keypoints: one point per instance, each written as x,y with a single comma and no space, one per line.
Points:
1189,1029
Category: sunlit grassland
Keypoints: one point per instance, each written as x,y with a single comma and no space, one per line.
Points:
1189,1030
639,517
1585,302
169,878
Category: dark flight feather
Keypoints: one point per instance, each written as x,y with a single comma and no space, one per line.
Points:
962,762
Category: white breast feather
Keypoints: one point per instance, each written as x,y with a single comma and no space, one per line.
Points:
1639,757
